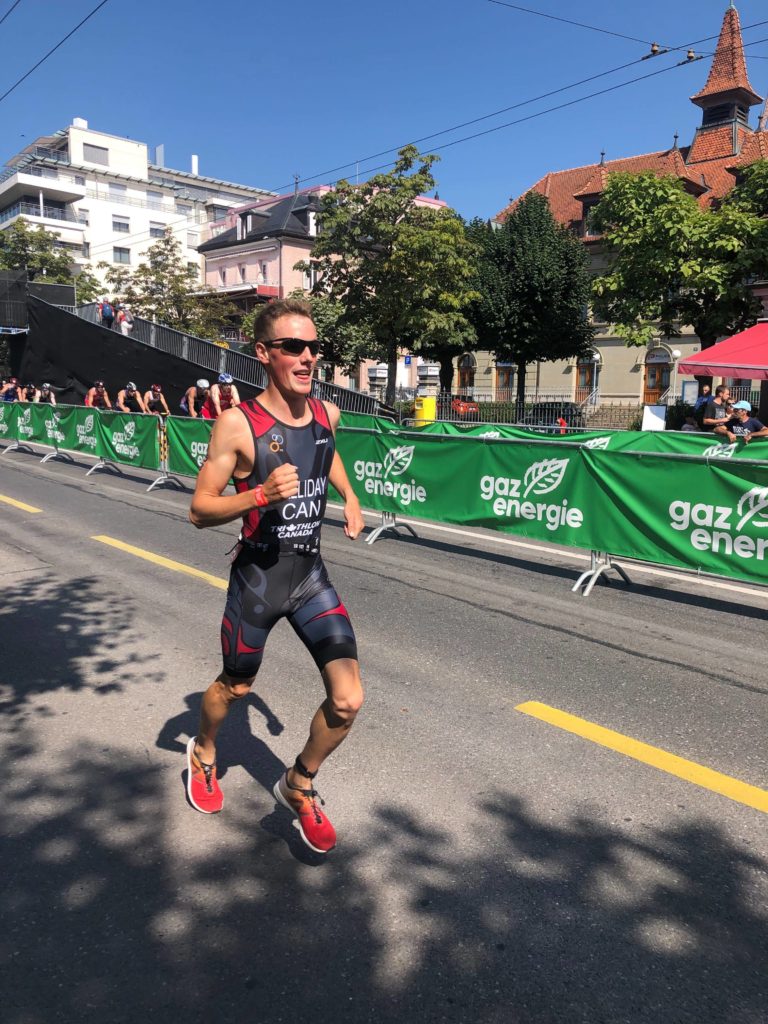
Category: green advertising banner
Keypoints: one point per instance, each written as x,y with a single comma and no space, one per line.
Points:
129,438
80,429
187,444
655,507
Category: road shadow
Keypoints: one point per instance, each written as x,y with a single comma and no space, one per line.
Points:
112,915
49,631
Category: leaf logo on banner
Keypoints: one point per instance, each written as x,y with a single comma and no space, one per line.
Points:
130,430
25,416
543,477
720,451
397,460
88,425
491,433
753,505
598,443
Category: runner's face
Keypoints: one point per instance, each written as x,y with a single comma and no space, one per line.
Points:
292,374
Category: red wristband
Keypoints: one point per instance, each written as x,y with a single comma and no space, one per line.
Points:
259,496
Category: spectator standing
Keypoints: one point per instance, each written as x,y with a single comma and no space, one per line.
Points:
194,398
29,393
224,395
129,399
690,426
106,313
46,395
714,412
742,425
704,398
97,397
155,402
125,321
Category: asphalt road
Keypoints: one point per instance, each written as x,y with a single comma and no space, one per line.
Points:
491,867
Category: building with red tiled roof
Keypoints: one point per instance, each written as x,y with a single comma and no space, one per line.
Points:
723,144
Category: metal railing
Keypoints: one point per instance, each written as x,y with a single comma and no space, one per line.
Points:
33,210
244,369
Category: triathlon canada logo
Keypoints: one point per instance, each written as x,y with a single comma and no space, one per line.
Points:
513,498
376,477
199,452
718,528
86,434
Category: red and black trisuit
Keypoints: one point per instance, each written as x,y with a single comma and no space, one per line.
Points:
278,571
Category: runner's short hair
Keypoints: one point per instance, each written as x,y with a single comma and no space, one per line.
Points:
262,325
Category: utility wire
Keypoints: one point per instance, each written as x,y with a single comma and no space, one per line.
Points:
514,106
10,10
567,21
53,49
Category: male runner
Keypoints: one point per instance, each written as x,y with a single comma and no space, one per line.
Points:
280,451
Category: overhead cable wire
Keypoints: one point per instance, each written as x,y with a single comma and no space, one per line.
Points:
503,110
567,21
10,10
53,50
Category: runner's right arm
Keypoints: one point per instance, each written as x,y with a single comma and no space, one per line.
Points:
210,506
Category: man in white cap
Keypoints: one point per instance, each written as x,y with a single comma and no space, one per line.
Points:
194,398
742,424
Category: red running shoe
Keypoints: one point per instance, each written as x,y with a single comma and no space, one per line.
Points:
202,786
316,831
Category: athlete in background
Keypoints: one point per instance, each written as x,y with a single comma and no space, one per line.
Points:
223,395
97,396
280,449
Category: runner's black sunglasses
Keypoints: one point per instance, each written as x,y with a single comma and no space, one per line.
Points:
296,346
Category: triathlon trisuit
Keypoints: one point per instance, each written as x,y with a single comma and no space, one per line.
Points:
278,571
199,403
132,402
226,401
99,401
155,405
11,395
27,396
46,397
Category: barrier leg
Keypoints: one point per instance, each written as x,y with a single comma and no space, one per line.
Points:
165,477
389,522
600,563
105,464
56,454
20,445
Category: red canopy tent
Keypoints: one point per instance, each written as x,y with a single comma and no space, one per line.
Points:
744,355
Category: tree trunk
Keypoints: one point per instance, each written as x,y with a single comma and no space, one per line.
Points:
521,368
389,397
446,371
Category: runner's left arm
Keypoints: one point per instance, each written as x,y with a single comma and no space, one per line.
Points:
355,524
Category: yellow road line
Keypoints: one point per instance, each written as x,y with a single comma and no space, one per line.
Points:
727,786
167,563
19,504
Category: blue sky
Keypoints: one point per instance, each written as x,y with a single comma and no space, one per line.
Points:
262,92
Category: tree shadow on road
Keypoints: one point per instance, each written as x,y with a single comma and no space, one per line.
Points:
117,911
56,637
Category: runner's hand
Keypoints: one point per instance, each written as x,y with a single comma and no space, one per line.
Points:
281,483
355,524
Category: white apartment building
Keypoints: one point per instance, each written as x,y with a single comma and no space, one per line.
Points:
106,202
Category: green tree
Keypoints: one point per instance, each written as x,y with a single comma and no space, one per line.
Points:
401,272
672,263
87,287
36,251
534,288
750,194
163,288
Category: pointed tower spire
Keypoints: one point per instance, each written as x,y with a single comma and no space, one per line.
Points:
728,81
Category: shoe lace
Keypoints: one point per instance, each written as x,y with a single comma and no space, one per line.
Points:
313,796
208,773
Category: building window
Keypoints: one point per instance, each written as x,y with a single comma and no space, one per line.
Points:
505,382
222,276
121,224
82,217
192,240
120,255
590,231
467,367
117,192
79,179
155,200
156,230
184,209
87,250
219,213
95,154
193,268
242,273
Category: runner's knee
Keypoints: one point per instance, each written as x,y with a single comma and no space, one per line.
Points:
346,706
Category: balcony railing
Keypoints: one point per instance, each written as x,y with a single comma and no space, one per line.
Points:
48,213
